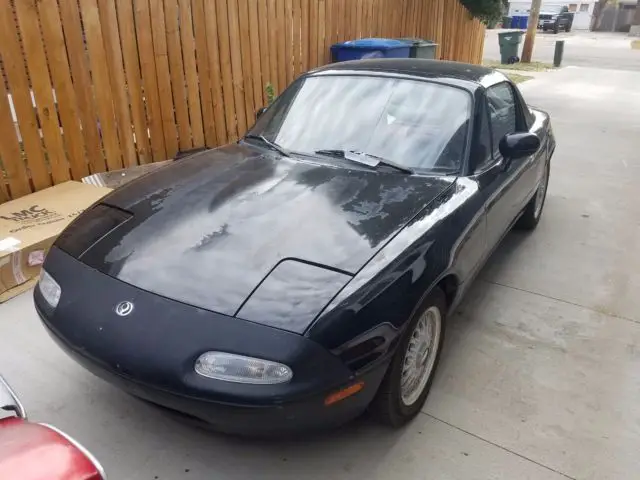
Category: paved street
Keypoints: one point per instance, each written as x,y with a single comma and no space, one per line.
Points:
581,49
540,377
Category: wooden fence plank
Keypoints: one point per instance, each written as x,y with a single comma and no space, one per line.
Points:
405,16
149,78
374,17
133,79
11,157
78,62
158,30
346,20
226,67
415,16
288,39
338,15
65,93
245,48
282,48
313,33
236,67
205,73
409,18
14,67
358,18
256,50
329,36
304,35
273,44
365,30
389,9
42,89
353,20
193,88
176,72
265,47
297,38
111,37
419,22
440,13
321,30
102,84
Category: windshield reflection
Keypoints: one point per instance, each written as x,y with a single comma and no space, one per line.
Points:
417,124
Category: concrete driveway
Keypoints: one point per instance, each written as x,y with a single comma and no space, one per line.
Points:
581,49
540,378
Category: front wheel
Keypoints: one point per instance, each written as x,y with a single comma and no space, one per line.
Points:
410,375
533,211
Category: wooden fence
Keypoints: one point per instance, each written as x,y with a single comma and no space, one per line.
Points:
95,85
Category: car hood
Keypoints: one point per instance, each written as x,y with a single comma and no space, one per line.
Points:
209,229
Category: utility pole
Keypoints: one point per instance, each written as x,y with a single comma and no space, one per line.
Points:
532,28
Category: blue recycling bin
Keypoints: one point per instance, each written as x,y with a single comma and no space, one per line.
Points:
370,48
520,21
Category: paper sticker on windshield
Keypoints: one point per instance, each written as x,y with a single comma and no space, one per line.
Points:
9,244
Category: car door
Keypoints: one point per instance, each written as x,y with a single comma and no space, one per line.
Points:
507,182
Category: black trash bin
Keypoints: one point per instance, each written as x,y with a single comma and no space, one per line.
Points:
421,48
509,46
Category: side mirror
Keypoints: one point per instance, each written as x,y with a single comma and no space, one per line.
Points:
518,145
260,112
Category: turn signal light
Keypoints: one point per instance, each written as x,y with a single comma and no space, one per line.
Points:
344,393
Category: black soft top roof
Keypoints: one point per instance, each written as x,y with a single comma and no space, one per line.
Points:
460,74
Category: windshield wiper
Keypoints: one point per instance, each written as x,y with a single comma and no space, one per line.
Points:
273,146
364,159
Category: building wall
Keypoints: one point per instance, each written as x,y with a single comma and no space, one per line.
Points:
617,18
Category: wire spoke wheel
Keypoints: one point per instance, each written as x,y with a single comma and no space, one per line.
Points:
420,355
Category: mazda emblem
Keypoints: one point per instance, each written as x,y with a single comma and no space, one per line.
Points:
124,308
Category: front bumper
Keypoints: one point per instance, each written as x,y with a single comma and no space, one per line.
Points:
285,418
151,354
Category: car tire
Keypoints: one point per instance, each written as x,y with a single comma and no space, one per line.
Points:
393,404
567,28
533,211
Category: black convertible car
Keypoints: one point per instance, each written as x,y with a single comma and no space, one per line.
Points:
304,274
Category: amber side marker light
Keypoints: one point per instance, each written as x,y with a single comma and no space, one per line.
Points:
344,393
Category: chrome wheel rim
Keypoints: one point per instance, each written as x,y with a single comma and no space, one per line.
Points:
420,355
542,192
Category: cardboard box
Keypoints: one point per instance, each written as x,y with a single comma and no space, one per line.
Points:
28,227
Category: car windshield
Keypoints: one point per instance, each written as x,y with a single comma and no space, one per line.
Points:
416,124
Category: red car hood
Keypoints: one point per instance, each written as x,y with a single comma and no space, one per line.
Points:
31,451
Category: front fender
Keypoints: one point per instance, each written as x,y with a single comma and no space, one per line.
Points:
364,322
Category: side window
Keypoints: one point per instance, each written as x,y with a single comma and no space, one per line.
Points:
502,111
484,151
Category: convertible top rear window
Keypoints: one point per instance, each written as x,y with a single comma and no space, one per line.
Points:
417,124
